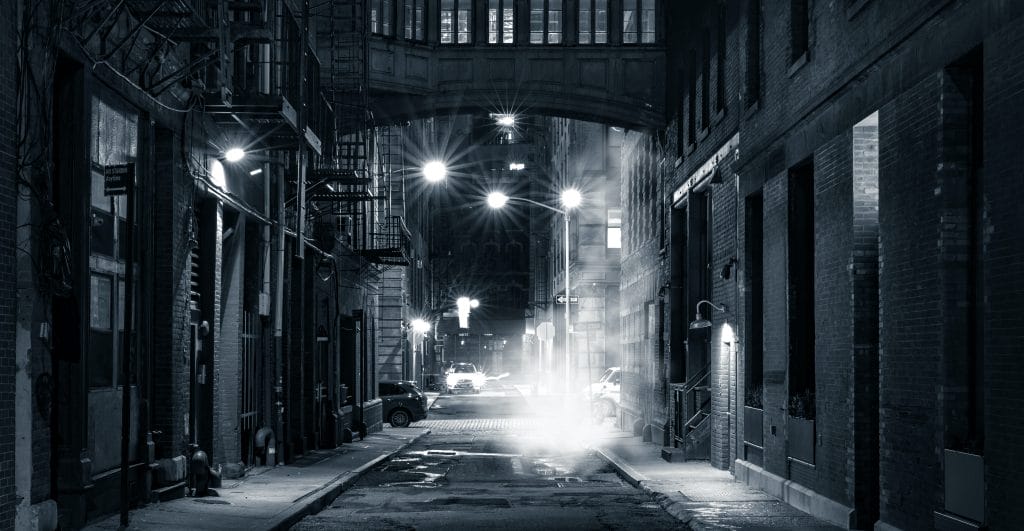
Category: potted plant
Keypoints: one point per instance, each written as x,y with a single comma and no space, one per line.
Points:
753,416
800,427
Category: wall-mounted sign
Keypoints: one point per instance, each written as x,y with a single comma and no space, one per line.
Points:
573,299
705,170
116,178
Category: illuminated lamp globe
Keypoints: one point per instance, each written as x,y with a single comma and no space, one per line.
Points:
496,199
234,154
435,171
571,198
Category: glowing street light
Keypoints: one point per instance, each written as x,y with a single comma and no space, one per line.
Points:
571,198
420,326
234,154
506,120
435,171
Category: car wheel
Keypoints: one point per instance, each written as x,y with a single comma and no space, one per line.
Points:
399,418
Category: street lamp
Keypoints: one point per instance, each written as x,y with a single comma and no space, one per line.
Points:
234,154
571,198
435,171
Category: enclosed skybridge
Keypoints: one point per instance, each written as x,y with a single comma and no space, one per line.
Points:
614,84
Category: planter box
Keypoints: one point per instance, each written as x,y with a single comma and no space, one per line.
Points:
800,439
965,485
753,426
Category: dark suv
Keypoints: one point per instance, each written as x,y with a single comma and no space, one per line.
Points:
403,402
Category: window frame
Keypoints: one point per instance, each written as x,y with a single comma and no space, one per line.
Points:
499,35
592,32
454,34
414,27
545,31
383,7
641,31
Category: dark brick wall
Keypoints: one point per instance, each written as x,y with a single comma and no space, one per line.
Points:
173,226
1004,254
911,321
227,369
776,328
833,313
8,268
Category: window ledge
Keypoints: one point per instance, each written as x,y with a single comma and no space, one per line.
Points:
799,63
689,148
752,109
852,10
702,134
719,116
679,161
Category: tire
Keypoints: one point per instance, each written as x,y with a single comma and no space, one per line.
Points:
400,418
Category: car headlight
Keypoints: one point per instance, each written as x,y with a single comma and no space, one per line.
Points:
451,379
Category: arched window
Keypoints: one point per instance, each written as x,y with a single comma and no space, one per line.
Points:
545,21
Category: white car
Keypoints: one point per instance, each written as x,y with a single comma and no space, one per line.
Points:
464,377
606,392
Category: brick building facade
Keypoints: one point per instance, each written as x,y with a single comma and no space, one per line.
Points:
835,184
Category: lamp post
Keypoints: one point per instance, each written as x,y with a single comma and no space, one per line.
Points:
571,199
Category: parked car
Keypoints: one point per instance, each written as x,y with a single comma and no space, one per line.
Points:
464,377
606,393
404,403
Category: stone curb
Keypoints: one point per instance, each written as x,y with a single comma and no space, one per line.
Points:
674,507
317,500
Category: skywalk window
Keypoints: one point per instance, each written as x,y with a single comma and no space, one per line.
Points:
501,22
638,17
382,17
456,21
545,21
415,15
593,24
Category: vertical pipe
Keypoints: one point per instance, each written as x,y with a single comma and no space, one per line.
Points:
126,361
568,329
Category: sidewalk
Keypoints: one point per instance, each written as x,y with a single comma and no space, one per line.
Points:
699,495
274,497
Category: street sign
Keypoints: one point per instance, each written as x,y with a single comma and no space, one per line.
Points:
546,331
116,178
573,299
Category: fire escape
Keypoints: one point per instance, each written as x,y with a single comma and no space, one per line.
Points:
350,191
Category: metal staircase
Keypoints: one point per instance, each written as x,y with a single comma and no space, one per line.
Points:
691,430
351,184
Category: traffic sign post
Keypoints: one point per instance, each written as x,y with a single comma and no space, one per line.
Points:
573,299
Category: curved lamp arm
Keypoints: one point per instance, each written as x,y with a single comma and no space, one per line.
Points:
535,203
721,308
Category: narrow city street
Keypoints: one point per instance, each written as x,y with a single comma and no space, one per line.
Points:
489,463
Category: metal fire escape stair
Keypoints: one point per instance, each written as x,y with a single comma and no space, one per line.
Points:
692,419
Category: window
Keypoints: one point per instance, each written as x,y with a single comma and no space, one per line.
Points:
545,21
638,21
615,228
114,135
415,14
705,81
691,99
720,63
753,92
501,22
593,22
799,30
382,17
456,21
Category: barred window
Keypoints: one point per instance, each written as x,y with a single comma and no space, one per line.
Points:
593,26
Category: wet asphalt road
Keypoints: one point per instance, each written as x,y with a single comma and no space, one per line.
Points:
492,462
